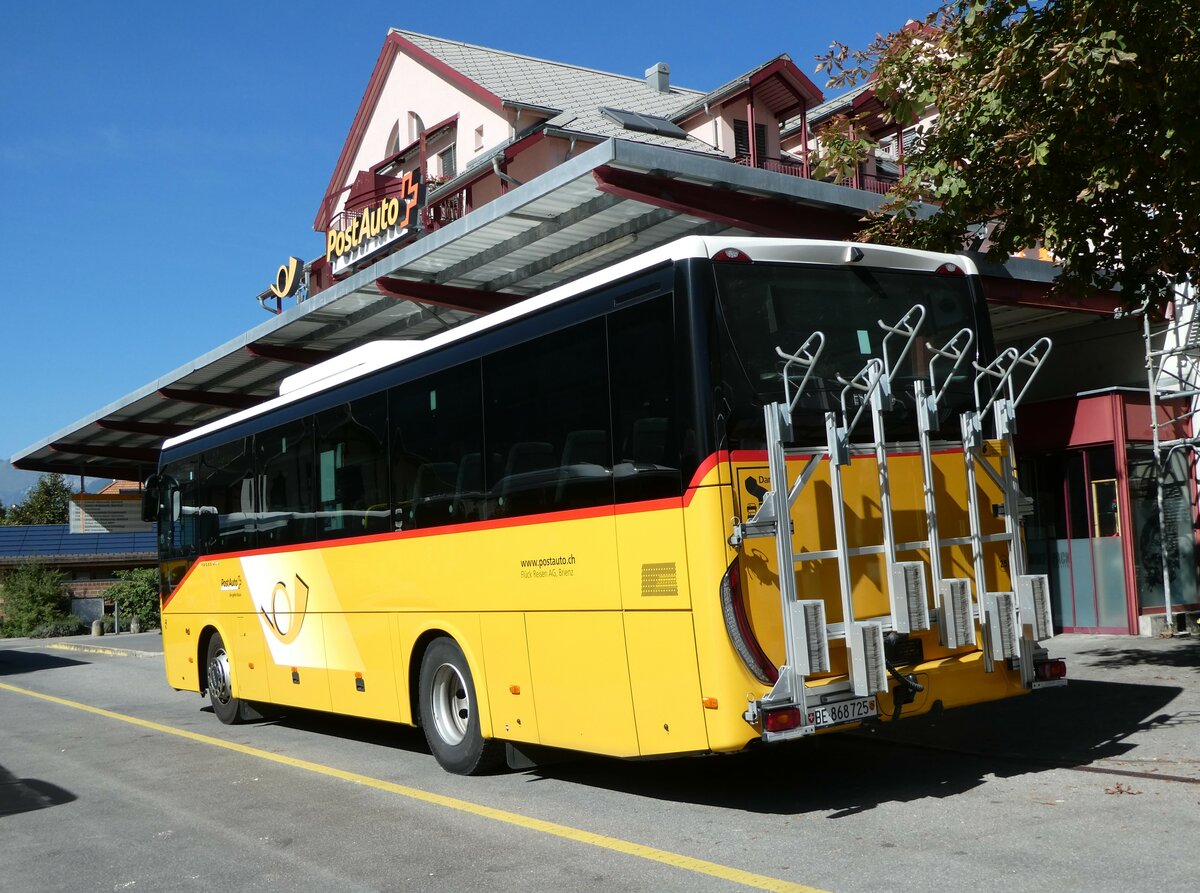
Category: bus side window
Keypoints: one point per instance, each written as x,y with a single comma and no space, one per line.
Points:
352,471
546,419
641,350
436,427
176,526
284,465
225,493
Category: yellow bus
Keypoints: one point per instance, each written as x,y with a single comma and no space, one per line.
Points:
556,525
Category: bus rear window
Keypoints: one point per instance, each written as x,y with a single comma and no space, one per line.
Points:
764,306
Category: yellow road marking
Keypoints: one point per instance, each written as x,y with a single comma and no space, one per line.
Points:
100,649
678,860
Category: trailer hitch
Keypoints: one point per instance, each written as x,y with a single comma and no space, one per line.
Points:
907,687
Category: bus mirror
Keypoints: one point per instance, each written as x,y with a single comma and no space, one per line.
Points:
150,499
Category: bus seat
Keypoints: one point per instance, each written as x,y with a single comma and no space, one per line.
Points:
583,472
520,486
467,486
588,446
648,442
433,494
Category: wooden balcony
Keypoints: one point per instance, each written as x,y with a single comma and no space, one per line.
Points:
793,167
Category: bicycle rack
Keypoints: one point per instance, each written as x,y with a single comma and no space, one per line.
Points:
806,632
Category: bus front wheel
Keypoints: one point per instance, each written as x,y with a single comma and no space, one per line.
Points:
450,712
219,682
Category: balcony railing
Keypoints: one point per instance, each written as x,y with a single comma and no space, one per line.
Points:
791,167
444,209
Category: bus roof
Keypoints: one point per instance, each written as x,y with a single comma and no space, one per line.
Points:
376,355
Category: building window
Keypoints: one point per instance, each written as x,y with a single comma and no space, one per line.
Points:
393,141
416,127
741,139
478,137
448,162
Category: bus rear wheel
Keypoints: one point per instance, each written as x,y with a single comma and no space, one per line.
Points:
450,714
219,681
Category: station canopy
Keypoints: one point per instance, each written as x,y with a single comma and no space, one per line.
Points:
615,200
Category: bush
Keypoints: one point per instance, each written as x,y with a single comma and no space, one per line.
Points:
65,626
136,594
34,596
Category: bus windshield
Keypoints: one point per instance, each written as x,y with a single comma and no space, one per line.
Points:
763,306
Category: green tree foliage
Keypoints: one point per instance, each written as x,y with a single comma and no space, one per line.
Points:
136,594
47,502
35,597
1069,122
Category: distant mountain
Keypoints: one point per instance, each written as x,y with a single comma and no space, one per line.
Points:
14,483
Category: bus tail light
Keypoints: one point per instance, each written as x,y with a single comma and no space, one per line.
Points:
731,256
737,624
949,269
782,720
1049,670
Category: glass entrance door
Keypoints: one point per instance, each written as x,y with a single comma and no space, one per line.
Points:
1180,552
1074,537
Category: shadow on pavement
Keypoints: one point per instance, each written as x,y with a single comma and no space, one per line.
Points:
932,756
366,731
1183,652
842,774
14,662
27,794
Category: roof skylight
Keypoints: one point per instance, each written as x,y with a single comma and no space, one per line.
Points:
644,123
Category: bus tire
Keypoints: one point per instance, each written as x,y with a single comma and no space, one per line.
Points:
219,682
450,712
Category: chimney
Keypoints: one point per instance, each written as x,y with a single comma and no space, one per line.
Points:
659,77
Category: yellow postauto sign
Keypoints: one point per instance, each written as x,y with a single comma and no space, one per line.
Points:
376,226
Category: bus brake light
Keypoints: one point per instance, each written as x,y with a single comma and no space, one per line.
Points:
731,256
949,269
1047,670
781,720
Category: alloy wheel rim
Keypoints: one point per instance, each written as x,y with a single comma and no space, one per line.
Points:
218,677
450,704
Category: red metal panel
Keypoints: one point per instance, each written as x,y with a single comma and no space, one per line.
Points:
758,214
1061,424
150,429
130,454
469,299
1023,293
300,356
211,398
1136,417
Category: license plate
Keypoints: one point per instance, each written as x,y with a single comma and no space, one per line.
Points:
842,712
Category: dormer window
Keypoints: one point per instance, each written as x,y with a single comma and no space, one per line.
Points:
643,123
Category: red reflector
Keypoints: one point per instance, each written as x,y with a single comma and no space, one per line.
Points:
1050,669
731,256
781,720
950,270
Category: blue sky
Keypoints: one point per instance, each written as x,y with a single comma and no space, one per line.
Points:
158,161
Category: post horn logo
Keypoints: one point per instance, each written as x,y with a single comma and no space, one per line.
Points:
287,613
288,279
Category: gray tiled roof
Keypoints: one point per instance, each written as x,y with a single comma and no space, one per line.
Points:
712,95
577,93
828,108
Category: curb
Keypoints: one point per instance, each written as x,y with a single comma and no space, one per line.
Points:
101,649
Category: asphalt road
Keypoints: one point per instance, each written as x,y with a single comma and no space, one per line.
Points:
111,781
